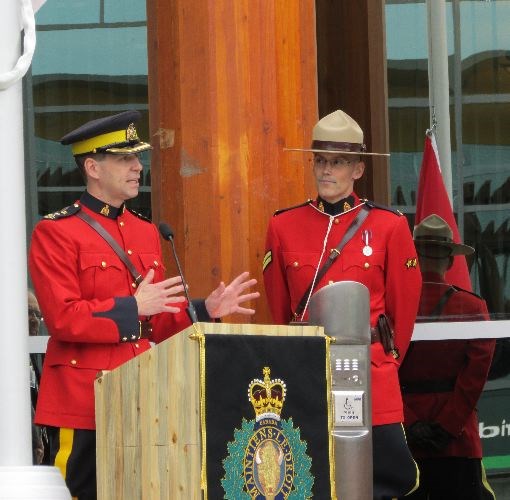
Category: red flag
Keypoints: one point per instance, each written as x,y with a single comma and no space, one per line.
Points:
433,199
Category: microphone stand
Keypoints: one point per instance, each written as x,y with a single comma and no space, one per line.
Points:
192,313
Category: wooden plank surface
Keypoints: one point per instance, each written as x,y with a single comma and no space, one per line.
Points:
148,417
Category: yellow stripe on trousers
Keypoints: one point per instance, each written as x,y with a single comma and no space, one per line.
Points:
64,450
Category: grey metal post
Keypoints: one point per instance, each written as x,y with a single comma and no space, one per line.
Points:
343,309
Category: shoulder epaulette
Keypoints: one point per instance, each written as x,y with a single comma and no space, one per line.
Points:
65,212
278,212
139,215
373,204
459,289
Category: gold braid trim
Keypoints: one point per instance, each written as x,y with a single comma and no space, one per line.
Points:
331,442
200,337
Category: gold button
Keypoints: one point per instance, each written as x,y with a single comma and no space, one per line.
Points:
121,223
103,264
76,205
367,265
124,339
156,263
137,346
296,263
73,361
130,252
337,221
133,285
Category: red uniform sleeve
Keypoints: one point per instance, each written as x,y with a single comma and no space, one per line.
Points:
275,281
403,284
53,265
470,380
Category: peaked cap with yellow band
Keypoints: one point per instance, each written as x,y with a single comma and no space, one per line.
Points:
338,133
112,134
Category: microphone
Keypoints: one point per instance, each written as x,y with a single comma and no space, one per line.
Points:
166,232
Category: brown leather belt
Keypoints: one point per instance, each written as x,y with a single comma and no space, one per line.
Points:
145,329
427,386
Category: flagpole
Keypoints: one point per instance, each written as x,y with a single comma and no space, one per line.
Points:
439,97
457,106
18,478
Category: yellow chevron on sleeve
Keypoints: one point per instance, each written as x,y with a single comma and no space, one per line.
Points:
268,258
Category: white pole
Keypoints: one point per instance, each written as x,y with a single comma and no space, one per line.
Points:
15,427
439,87
18,478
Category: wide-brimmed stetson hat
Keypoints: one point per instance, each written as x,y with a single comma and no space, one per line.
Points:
433,230
338,133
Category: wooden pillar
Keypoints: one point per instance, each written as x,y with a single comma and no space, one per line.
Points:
351,48
231,83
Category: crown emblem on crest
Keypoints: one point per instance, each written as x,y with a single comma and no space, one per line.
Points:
131,134
267,396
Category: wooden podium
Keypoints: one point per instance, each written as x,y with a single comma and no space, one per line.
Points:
148,417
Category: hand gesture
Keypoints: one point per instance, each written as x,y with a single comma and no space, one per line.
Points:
153,298
227,299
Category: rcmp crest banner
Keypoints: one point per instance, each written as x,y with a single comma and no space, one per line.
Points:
266,429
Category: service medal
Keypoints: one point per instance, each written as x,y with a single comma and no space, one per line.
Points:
367,251
366,236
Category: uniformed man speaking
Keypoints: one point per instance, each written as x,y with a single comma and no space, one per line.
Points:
374,247
97,271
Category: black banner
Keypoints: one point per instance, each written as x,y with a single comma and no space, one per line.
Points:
266,412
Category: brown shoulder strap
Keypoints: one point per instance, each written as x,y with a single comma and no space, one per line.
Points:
115,246
351,230
442,302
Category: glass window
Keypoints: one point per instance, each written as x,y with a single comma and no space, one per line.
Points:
478,42
90,61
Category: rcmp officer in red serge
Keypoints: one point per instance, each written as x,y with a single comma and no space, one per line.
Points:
380,254
442,380
98,313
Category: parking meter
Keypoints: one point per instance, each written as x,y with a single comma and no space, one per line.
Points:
343,309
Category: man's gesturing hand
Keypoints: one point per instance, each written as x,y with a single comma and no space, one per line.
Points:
227,299
153,298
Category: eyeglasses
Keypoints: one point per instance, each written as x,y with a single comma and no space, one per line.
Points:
337,162
35,312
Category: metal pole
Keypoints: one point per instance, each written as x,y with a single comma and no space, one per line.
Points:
439,87
18,478
457,95
343,309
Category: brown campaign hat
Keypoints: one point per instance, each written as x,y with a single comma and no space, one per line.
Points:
338,133
433,230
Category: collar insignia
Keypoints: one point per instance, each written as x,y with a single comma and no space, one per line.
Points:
347,206
321,206
105,210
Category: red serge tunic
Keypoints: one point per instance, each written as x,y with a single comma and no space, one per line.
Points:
86,297
294,244
465,362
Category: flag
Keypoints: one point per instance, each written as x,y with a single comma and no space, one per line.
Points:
432,198
267,431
